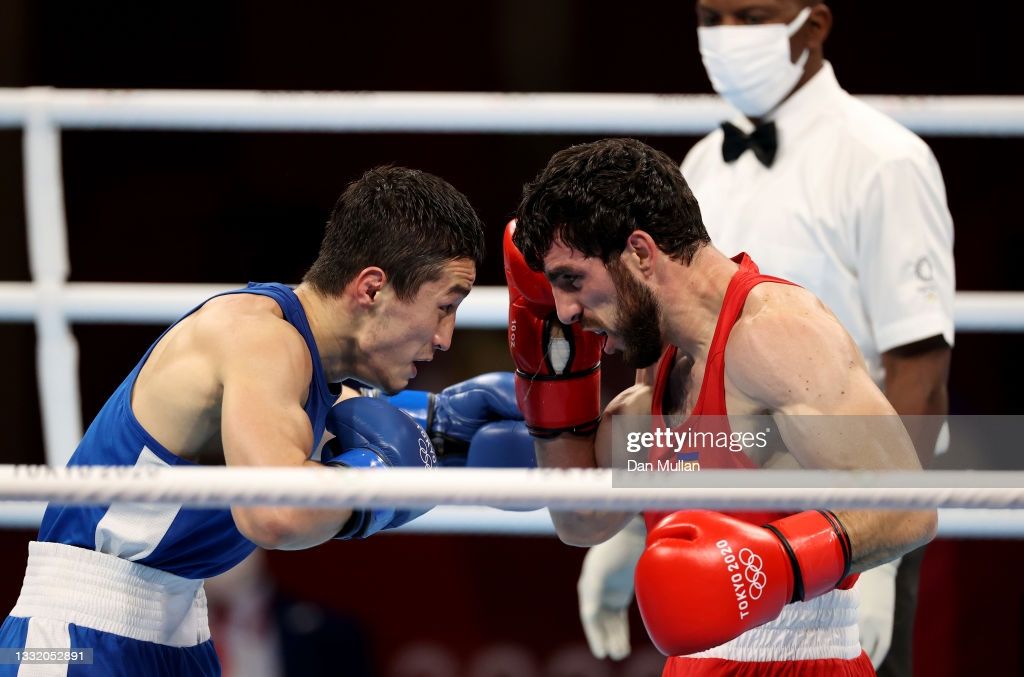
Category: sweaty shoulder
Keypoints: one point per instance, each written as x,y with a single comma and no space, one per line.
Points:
243,330
788,347
633,401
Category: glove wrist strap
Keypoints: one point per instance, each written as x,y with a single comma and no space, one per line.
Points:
562,404
818,548
362,523
365,523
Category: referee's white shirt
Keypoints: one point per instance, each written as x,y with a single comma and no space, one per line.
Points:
853,209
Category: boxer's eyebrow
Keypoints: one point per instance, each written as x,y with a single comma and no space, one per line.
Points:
459,288
559,271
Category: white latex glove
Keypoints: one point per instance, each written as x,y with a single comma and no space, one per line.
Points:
874,615
605,590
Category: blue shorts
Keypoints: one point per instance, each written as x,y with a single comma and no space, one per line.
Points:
112,655
136,620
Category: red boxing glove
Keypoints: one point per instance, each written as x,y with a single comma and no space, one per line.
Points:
558,381
707,578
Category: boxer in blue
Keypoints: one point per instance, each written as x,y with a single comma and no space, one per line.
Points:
242,380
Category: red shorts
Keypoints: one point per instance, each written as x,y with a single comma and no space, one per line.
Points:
717,667
808,639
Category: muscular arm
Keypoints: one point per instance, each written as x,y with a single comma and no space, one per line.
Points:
265,372
915,384
796,360
590,527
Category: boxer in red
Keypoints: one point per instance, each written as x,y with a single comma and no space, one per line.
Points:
610,253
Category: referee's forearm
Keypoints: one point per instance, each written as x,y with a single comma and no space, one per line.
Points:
915,385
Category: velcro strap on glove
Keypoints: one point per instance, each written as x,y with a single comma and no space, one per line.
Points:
553,405
819,550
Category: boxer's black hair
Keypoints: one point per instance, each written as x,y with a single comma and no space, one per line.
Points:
590,197
407,222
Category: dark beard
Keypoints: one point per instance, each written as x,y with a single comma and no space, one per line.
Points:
636,320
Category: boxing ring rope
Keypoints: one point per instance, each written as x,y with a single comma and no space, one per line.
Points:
52,303
484,308
208,487
512,488
493,113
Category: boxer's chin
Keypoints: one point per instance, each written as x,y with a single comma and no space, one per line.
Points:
398,385
640,332
642,355
392,384
637,320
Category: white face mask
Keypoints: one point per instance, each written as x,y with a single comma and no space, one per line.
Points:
749,66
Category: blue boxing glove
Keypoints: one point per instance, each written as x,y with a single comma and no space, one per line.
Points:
371,433
503,444
453,416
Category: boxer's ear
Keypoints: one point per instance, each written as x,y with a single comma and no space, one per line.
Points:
641,253
367,283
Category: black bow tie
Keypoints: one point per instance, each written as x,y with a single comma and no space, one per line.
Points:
763,141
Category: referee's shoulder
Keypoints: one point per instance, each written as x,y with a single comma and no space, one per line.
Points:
879,136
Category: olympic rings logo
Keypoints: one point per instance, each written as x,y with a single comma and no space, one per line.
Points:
753,572
427,455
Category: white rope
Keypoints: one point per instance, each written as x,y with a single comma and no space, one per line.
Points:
475,520
460,111
506,488
953,522
484,308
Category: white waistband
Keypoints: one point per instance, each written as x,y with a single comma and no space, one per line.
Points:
824,627
110,594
